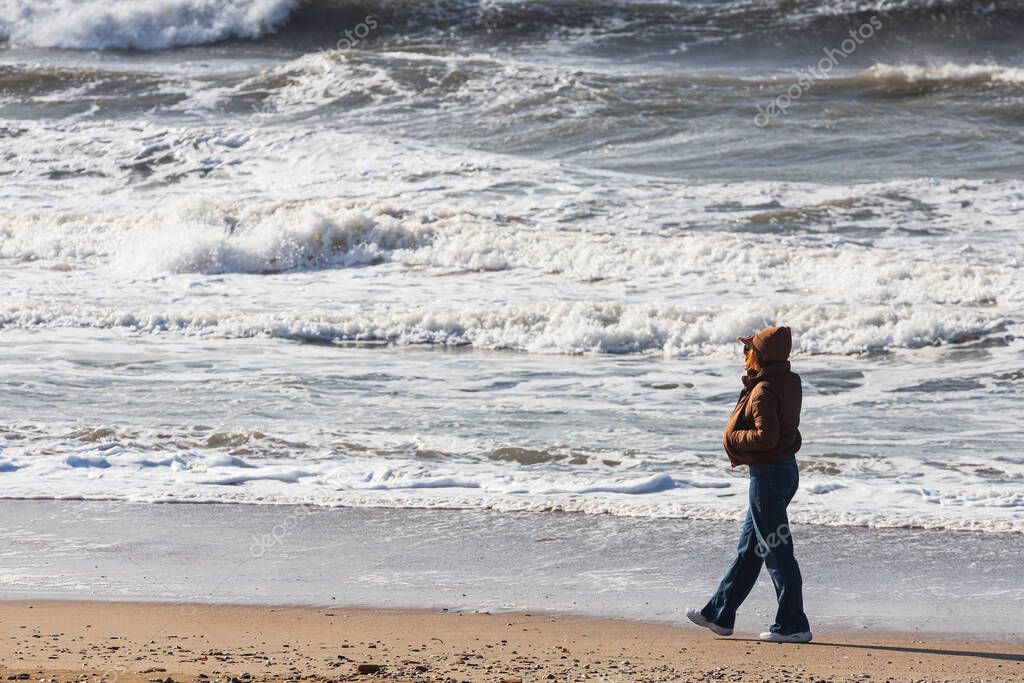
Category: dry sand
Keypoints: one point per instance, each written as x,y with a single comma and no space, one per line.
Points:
73,641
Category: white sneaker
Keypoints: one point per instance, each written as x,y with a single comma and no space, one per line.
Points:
772,637
696,617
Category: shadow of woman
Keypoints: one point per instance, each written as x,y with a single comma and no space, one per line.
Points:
1007,656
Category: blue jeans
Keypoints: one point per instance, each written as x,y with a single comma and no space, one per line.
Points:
765,539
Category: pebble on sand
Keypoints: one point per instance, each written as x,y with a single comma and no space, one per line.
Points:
369,668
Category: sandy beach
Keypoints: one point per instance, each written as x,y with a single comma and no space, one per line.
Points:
71,641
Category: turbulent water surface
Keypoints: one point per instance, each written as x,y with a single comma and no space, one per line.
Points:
496,253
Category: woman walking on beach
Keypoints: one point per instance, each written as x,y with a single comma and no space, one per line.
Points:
763,434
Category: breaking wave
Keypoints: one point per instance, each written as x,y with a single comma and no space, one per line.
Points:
943,74
152,25
564,327
162,24
211,238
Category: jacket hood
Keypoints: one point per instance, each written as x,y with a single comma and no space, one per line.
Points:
773,343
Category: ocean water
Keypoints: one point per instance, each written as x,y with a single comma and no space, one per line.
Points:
495,254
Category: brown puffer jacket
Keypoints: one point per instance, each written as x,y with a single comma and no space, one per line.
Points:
764,425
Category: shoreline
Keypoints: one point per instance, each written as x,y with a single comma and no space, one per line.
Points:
300,505
137,642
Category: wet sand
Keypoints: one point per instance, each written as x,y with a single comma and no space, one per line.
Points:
59,641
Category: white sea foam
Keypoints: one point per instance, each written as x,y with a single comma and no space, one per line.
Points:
207,238
396,482
560,327
150,25
545,289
